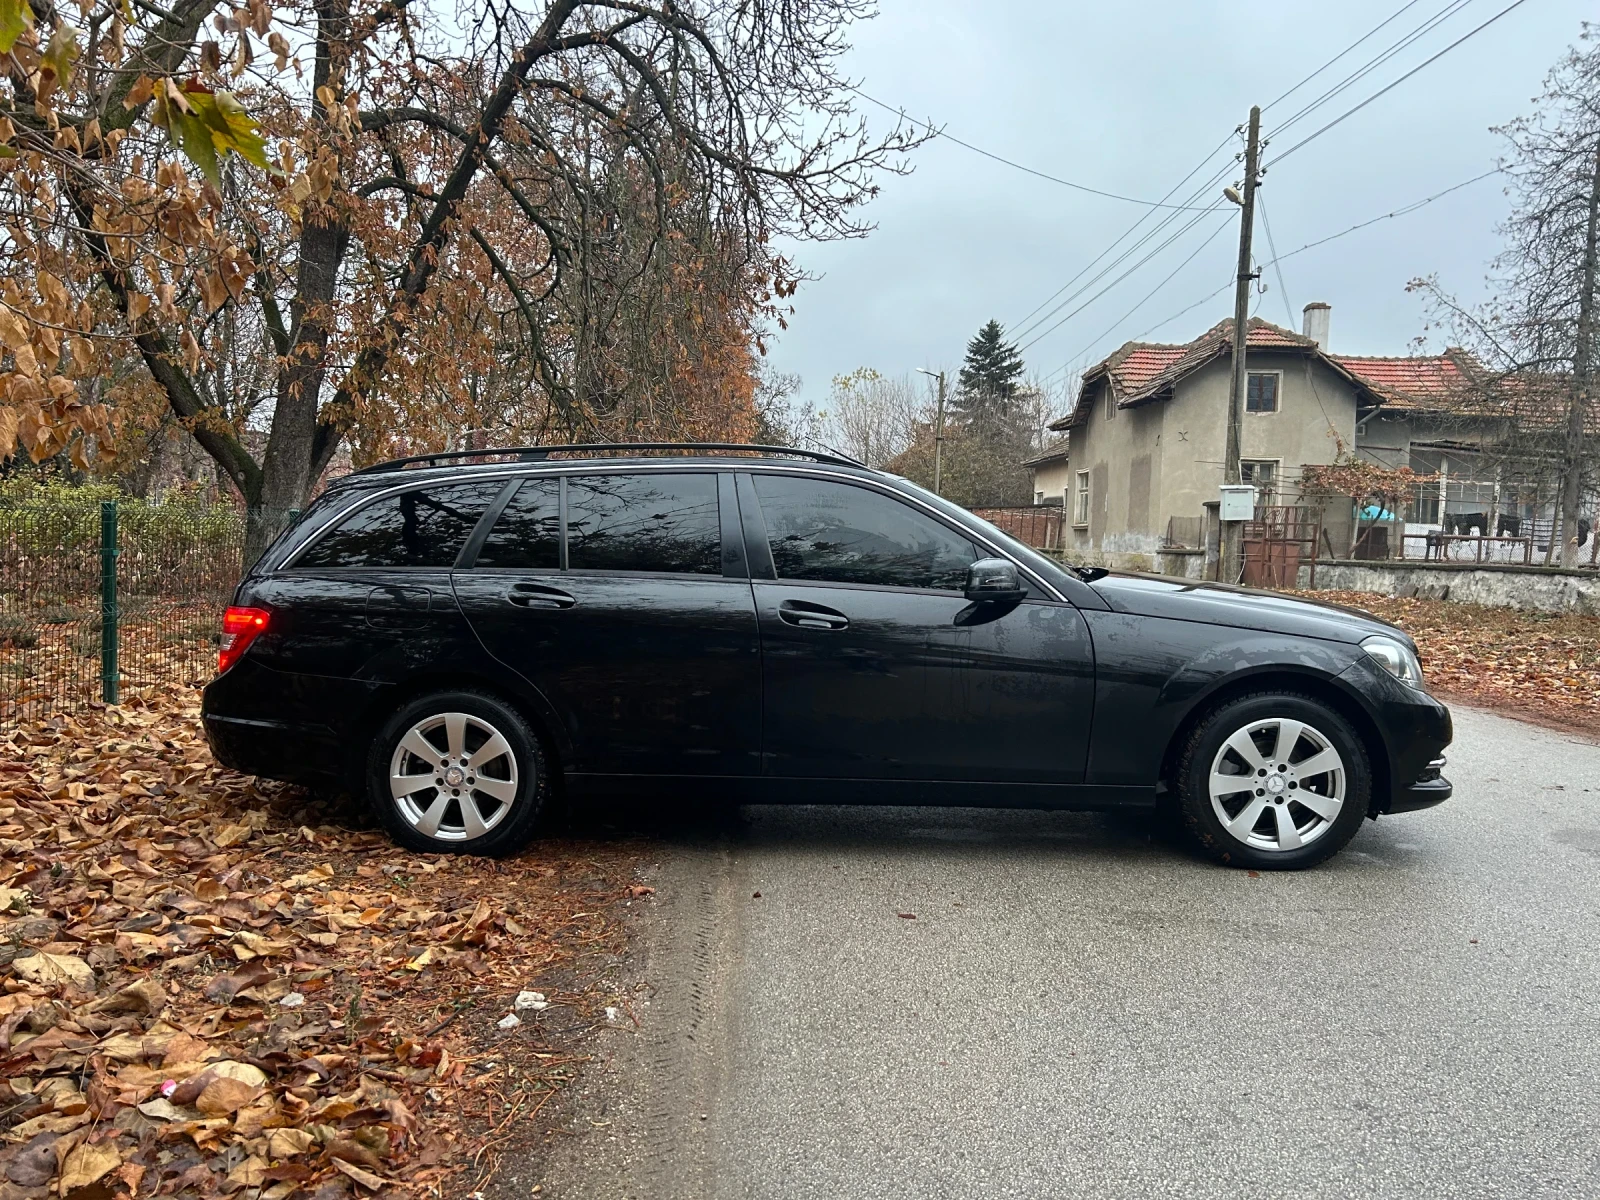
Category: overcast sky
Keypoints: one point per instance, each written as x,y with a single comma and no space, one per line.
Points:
1128,98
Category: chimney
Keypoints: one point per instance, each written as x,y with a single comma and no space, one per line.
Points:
1317,316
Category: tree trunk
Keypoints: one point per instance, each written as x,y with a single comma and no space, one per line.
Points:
1582,379
288,468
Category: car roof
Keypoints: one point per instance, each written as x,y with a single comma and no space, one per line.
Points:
404,471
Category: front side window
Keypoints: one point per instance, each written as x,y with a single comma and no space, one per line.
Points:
646,522
424,527
1261,392
837,533
528,532
1080,506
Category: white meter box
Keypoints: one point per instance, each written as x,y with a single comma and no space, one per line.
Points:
1238,502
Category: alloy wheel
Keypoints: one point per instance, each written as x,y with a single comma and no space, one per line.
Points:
453,777
1277,784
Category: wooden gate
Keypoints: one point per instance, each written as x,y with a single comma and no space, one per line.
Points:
1275,544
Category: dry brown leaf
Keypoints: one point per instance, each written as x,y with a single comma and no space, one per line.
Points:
223,1096
286,1143
49,970
88,1163
365,1178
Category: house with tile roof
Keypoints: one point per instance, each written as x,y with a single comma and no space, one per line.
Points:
1148,434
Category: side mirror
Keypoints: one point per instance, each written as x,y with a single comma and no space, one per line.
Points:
994,581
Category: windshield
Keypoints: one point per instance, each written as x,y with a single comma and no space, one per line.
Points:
1048,567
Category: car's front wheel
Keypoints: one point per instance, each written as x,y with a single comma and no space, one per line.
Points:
457,773
1273,780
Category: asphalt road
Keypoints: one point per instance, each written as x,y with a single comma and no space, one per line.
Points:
1082,1008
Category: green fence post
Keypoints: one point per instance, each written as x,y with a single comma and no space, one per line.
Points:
108,600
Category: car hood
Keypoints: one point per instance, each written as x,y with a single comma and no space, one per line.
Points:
1242,608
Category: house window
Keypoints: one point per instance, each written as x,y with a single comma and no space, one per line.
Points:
1263,473
1080,507
1111,404
1261,392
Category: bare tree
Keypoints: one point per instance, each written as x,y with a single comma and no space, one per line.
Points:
1535,342
873,418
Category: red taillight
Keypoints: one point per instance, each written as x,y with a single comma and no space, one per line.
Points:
240,627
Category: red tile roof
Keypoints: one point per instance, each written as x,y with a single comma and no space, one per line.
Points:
1408,383
1144,371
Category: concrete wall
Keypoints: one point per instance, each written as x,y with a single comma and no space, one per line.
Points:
1540,589
1180,564
1165,457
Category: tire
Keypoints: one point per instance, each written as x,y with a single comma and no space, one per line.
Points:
1295,807
467,803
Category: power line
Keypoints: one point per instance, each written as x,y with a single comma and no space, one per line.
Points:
1036,318
1152,292
1193,221
1428,26
1277,258
1028,324
1392,17
1389,88
950,137
1399,212
1276,261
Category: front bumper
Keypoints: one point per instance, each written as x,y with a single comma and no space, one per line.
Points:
1416,728
1432,788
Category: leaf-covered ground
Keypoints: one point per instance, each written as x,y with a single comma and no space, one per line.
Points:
1520,663
214,986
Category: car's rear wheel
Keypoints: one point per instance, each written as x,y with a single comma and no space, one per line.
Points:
458,773
1273,780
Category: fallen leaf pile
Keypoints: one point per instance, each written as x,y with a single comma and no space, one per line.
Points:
210,986
1546,663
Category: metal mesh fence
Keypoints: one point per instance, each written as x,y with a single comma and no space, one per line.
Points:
66,638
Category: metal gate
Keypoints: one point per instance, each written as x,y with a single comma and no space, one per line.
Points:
1275,544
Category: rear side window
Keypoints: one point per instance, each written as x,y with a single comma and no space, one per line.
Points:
528,533
425,527
842,534
648,522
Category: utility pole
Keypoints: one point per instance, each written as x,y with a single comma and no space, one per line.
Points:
938,430
1232,548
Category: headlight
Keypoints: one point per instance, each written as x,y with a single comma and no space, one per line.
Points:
1396,658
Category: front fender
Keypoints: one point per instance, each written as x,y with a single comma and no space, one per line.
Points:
1151,673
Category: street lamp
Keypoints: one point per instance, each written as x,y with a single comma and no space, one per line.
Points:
938,427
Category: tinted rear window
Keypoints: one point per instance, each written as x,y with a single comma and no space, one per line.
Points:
425,527
648,522
528,532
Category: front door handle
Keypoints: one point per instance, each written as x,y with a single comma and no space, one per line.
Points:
538,595
802,614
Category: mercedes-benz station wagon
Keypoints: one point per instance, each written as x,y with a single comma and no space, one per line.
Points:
463,638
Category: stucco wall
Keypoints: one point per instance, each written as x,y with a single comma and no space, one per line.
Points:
1053,478
1184,441
1541,589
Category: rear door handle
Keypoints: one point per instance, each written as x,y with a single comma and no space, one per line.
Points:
804,615
538,595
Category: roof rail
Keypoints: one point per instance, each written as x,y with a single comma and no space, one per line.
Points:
542,453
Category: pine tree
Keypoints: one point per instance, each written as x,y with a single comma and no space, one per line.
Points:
990,381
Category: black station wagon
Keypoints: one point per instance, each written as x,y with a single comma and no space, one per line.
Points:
462,640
